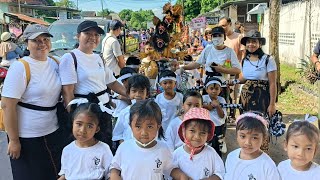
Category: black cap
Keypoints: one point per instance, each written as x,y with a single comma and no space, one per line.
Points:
86,25
253,34
218,30
115,24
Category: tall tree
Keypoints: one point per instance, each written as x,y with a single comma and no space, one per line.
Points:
105,12
46,12
125,14
191,8
66,3
274,21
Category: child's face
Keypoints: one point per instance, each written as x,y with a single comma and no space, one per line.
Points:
168,85
250,142
148,49
84,127
174,66
196,134
213,90
138,93
300,151
191,102
144,130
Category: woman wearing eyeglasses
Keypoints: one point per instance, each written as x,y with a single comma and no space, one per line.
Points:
85,76
30,94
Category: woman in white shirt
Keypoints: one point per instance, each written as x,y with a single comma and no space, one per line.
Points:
29,101
85,76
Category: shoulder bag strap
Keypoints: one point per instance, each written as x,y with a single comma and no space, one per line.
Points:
74,60
27,68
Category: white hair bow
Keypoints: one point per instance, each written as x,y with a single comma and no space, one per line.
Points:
79,101
307,117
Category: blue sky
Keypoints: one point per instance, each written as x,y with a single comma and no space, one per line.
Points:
118,5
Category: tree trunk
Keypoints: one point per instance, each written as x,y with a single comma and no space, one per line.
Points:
274,36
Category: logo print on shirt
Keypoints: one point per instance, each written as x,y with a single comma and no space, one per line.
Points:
158,163
206,172
96,161
251,177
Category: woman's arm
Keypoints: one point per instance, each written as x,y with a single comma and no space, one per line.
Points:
272,77
68,94
118,88
191,66
9,106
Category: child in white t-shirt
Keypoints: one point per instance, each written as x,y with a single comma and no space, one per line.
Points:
195,158
119,101
249,161
302,142
87,157
138,89
144,157
169,100
194,74
212,101
191,99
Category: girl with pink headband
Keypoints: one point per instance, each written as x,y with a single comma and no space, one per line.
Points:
249,161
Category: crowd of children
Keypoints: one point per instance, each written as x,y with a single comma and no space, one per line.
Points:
176,136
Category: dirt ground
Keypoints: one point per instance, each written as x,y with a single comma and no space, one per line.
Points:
276,151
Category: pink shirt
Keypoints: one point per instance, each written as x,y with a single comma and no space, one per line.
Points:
233,42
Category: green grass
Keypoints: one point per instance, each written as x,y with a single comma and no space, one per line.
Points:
293,100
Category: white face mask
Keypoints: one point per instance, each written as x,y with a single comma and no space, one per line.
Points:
217,41
146,144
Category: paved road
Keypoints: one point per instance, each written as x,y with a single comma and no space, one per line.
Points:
5,168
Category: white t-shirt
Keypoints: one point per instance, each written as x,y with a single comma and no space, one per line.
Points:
250,71
287,172
214,113
203,165
172,137
91,74
136,163
111,50
169,108
122,129
261,168
43,90
86,163
120,105
210,54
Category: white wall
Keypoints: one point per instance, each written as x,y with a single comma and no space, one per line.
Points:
294,37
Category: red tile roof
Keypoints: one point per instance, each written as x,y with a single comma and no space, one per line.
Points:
28,18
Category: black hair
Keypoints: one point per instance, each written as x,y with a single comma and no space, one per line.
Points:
187,58
133,60
192,94
93,110
204,124
147,109
139,81
251,123
305,128
167,73
226,18
147,43
127,70
212,79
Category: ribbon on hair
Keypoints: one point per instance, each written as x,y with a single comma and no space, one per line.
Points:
125,76
133,66
168,78
307,117
79,101
213,82
253,115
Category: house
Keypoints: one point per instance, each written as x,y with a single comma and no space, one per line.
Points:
237,11
15,16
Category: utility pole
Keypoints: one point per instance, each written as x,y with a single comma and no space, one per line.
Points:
102,9
274,21
19,7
